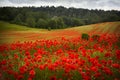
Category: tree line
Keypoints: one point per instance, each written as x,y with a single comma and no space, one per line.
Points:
56,17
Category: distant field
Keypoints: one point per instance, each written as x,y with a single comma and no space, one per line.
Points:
107,27
11,32
4,26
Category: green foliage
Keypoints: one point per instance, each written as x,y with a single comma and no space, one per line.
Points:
4,26
56,23
60,23
77,22
85,36
31,22
41,23
52,24
18,19
49,28
56,17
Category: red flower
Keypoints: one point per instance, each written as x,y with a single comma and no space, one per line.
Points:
53,78
51,67
29,78
27,53
116,65
42,67
94,69
59,51
19,77
23,69
32,72
3,62
38,58
118,54
15,56
97,75
107,71
73,67
100,49
84,53
0,75
108,55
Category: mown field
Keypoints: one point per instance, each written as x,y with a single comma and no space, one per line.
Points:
65,54
12,33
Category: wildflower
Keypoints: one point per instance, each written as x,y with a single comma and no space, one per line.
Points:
115,65
97,75
118,54
108,55
42,67
94,69
23,69
51,67
107,71
29,78
15,56
3,62
27,53
53,78
19,77
31,73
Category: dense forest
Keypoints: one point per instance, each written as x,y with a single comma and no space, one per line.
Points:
56,17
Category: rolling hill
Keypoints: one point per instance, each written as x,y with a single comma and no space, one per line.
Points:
107,27
12,32
5,26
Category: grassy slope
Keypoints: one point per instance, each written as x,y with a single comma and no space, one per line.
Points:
107,27
11,32
5,26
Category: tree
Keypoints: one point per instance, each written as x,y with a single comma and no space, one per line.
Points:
58,17
31,22
67,21
41,23
52,24
77,22
56,23
18,19
60,23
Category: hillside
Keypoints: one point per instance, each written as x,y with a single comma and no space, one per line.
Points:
107,27
11,32
5,26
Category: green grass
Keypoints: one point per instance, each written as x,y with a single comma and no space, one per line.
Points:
12,32
5,26
100,27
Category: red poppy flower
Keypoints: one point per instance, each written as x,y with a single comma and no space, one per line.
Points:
31,73
115,65
23,69
53,78
94,69
42,67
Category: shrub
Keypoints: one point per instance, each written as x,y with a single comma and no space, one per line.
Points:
49,28
85,36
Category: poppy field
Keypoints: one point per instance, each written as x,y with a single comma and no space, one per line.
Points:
77,58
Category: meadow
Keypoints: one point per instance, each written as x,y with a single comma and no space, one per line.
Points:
11,32
39,54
